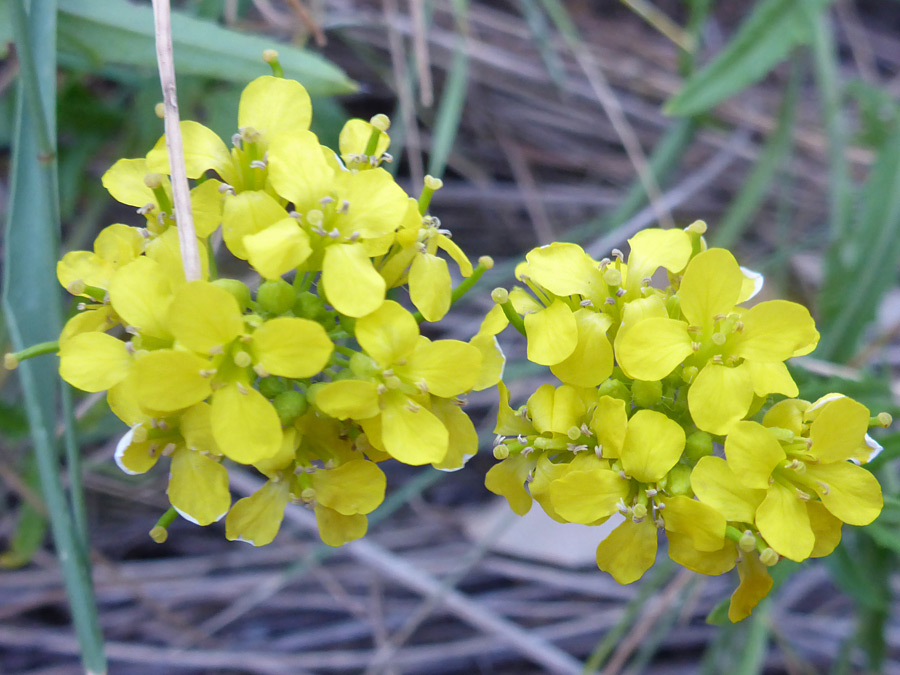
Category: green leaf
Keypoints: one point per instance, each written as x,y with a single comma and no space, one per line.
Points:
765,38
718,615
865,265
31,527
95,33
31,297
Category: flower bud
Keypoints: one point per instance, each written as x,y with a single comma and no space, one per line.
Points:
290,405
276,297
678,480
270,387
699,444
614,388
237,288
362,365
646,394
308,305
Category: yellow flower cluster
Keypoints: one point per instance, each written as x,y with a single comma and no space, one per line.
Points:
304,369
657,385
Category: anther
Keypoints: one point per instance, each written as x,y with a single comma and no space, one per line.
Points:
335,234
168,450
610,301
586,303
259,370
620,292
325,201
616,253
242,389
258,164
802,496
237,141
296,215
81,306
651,493
413,407
825,489
696,346
344,207
132,330
146,208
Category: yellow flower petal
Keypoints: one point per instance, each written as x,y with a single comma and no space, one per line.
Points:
719,397
771,378
336,529
755,585
124,181
591,362
653,444
850,492
356,399
787,414
206,207
92,320
245,425
774,331
119,244
463,441
355,487
509,423
555,409
196,428
273,105
292,347
245,214
552,334
587,496
711,285
430,286
564,269
377,203
203,316
712,563
168,380
826,527
284,459
838,429
411,433
716,484
140,292
94,361
493,361
701,522
652,348
349,280
783,521
165,250
198,487
278,249
298,170
628,551
354,139
135,458
507,479
654,248
448,367
752,453
256,519
388,334
609,423
203,150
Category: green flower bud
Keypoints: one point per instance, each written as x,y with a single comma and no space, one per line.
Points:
290,405
362,365
237,288
678,480
270,387
646,394
276,297
308,305
699,444
614,388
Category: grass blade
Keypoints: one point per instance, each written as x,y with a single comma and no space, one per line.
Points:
117,32
31,301
453,98
765,38
748,200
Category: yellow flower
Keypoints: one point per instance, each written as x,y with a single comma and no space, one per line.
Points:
403,371
793,470
269,107
737,353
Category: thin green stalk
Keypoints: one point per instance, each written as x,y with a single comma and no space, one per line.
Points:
31,301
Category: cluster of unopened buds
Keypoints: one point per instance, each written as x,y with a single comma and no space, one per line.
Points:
653,424
303,367
299,365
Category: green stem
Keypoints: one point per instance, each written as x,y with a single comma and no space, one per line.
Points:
15,358
513,316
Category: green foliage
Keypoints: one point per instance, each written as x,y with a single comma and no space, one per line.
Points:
97,34
765,39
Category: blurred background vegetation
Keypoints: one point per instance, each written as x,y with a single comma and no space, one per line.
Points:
775,121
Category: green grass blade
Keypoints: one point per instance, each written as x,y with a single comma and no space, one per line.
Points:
117,32
30,299
755,188
764,39
537,23
863,266
453,98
